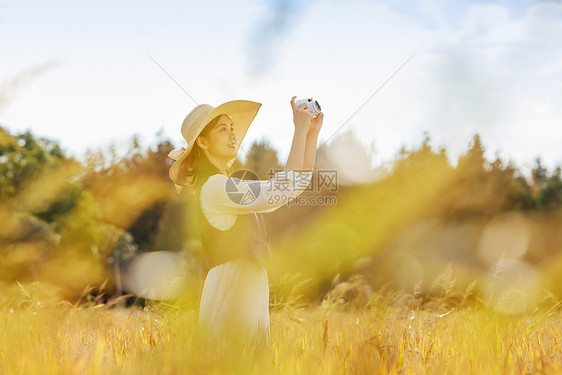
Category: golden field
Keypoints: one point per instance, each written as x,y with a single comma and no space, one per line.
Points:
394,334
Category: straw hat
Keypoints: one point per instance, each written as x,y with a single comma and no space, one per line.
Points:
241,112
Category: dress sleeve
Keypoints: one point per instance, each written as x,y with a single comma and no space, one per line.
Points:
223,195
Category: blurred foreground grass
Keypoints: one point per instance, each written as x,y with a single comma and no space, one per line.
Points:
395,334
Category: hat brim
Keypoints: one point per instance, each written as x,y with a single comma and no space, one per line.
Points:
241,112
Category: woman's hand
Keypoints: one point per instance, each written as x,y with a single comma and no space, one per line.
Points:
301,117
316,123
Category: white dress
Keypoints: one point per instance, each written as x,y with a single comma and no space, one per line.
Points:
235,296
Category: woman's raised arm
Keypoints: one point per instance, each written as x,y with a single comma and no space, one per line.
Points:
301,119
312,142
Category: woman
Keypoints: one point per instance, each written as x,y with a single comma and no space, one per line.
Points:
234,306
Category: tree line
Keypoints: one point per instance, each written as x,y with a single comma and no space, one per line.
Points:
67,221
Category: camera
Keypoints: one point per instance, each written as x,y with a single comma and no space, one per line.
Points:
313,105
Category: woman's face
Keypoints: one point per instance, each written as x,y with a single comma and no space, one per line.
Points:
220,141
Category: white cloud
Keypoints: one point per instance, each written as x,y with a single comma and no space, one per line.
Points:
499,78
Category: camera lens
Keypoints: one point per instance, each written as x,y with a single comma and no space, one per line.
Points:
317,106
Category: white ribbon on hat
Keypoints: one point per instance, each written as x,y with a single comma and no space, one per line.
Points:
175,154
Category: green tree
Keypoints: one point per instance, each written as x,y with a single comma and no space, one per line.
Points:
480,187
22,158
550,195
473,161
262,159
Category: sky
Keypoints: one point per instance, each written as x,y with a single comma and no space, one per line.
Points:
92,73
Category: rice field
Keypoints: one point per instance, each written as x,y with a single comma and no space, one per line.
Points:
393,335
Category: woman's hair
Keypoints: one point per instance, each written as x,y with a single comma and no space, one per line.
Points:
197,166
